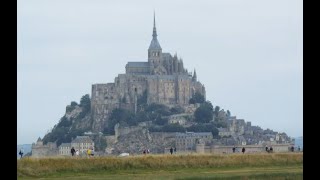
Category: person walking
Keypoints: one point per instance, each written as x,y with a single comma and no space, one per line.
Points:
175,150
171,150
243,150
21,153
72,151
271,149
89,152
77,153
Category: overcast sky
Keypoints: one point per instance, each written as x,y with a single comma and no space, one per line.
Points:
247,53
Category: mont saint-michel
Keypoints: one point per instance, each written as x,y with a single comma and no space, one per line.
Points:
162,77
156,105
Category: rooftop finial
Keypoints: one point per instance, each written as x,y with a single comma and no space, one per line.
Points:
154,42
154,34
154,19
194,78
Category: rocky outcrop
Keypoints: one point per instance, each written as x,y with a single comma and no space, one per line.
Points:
136,141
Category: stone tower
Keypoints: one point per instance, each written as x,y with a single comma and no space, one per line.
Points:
194,77
155,50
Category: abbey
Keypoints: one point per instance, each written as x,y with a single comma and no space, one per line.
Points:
163,79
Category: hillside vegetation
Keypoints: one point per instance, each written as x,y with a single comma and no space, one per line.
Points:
78,120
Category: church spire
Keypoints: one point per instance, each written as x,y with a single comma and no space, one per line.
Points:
194,78
154,42
154,34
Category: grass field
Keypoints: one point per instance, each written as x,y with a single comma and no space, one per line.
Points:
180,167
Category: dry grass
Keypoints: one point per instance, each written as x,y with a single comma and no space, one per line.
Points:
29,167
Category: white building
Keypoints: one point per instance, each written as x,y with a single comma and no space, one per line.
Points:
65,149
82,144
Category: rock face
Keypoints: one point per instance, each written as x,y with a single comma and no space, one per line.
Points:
135,142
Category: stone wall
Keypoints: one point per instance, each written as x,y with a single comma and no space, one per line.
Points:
248,148
39,151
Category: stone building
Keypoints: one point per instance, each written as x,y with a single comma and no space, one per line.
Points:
163,78
224,132
187,141
65,149
82,144
40,150
179,118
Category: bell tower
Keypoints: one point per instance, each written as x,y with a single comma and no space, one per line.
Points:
154,51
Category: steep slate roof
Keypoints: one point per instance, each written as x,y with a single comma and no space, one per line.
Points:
154,44
167,55
222,129
138,64
82,139
65,145
188,134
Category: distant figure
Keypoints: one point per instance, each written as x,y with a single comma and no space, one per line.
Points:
148,151
72,151
292,148
298,148
89,152
243,150
92,152
271,149
144,152
21,153
77,153
171,150
175,150
234,149
267,149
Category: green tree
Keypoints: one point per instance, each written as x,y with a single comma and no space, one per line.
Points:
158,109
216,111
204,113
85,102
173,128
73,104
121,116
204,128
64,122
161,121
197,98
177,110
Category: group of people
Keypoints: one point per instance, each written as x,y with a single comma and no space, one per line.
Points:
234,150
76,152
269,150
173,150
292,148
146,151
